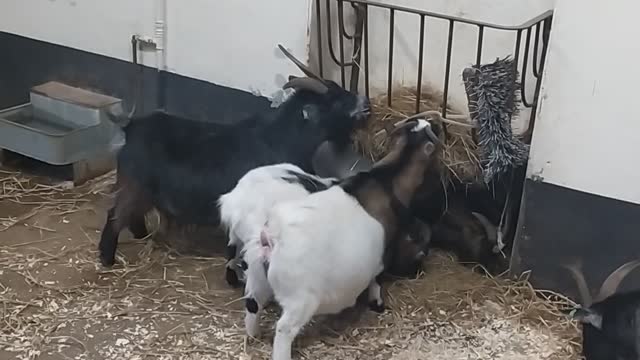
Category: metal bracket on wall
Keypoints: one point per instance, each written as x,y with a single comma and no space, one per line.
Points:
145,43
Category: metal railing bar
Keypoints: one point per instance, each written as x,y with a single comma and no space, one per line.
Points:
344,33
523,74
528,134
420,61
522,26
536,43
390,73
341,41
360,39
479,46
330,38
447,70
357,49
319,30
366,49
516,51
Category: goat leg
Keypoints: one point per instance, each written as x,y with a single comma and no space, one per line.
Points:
109,239
236,266
258,293
376,303
294,316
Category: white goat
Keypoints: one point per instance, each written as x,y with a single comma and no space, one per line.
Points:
243,213
323,250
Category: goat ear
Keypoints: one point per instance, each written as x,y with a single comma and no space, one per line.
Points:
291,77
429,148
588,316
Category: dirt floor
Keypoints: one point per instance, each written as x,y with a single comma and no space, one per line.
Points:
57,302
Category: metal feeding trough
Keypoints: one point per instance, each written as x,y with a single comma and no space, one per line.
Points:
64,125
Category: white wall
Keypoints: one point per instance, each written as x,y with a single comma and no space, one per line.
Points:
407,35
586,134
230,43
234,42
102,27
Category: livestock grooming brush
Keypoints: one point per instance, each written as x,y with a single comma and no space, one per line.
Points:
493,97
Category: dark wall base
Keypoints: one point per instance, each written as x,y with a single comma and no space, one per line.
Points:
26,62
560,225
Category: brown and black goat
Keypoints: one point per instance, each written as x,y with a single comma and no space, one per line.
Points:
336,239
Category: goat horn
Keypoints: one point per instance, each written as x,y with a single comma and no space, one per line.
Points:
305,69
307,83
452,119
489,228
581,283
404,125
610,285
424,114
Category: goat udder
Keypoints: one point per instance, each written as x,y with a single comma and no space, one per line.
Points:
266,245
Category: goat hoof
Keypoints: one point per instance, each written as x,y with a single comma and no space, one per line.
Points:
374,306
107,262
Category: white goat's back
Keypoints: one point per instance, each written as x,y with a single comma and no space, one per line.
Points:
326,245
243,210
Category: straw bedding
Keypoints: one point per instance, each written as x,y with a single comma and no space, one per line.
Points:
57,302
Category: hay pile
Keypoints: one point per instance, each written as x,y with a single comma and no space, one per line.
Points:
460,152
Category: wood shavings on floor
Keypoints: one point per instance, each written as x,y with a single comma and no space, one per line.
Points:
56,302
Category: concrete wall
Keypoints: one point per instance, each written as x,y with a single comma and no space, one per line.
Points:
586,134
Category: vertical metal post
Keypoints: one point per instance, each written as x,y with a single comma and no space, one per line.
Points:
447,70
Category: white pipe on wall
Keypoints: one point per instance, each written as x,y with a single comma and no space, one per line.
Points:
160,33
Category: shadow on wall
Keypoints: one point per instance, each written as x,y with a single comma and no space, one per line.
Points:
27,62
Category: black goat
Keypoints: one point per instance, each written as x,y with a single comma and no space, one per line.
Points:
181,166
469,235
610,321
